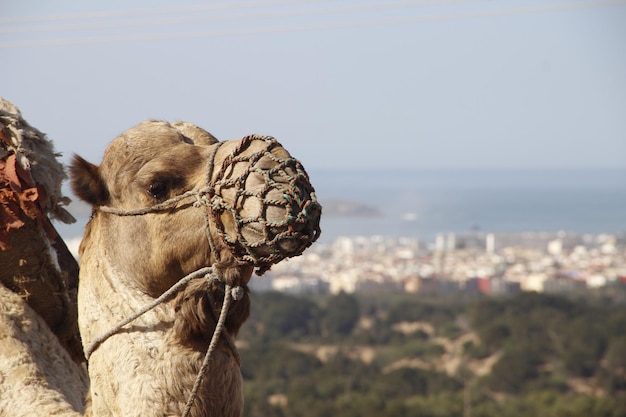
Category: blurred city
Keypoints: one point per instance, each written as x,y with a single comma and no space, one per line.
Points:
491,264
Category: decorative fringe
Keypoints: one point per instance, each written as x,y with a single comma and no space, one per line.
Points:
30,176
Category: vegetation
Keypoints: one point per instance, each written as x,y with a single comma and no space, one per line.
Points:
402,355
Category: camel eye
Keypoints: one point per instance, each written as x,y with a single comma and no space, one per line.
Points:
158,190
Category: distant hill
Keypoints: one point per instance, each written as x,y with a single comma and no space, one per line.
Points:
342,208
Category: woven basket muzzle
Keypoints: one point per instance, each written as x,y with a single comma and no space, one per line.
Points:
264,206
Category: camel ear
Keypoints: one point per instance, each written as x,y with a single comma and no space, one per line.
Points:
87,182
195,134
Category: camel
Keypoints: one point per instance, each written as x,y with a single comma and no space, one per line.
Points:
42,368
170,201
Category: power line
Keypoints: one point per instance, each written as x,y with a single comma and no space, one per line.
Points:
317,26
252,15
145,12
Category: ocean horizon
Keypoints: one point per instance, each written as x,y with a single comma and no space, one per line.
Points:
423,203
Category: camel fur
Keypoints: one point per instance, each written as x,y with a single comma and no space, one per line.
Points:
42,368
37,375
149,368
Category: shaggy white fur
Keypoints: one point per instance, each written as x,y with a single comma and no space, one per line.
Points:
142,371
37,375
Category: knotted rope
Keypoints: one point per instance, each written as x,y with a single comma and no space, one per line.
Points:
207,357
301,220
301,209
299,204
210,273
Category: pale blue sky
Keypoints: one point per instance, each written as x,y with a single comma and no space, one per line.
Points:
342,84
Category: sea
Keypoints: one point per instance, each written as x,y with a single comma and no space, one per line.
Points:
420,204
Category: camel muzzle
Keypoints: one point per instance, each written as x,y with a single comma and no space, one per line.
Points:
274,213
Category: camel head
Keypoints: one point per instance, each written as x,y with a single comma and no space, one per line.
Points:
259,201
168,200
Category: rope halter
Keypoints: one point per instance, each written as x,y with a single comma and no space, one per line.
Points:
282,215
281,220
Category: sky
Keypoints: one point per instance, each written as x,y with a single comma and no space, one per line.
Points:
341,84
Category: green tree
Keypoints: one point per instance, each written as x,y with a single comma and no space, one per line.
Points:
341,314
616,363
516,367
283,315
587,344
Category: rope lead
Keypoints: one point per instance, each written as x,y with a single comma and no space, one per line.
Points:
164,297
207,357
